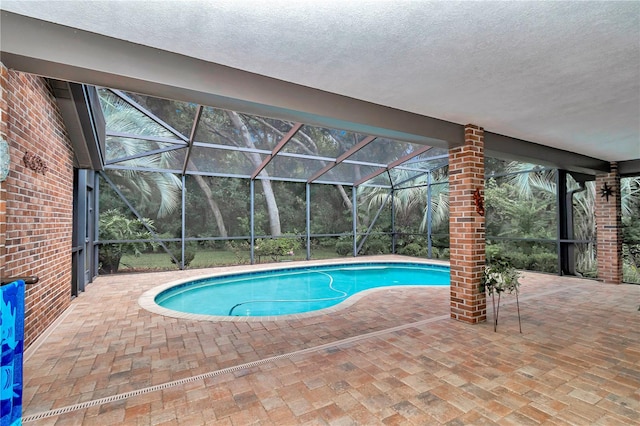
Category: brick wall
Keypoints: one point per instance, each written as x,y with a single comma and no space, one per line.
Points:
466,228
39,207
609,228
4,120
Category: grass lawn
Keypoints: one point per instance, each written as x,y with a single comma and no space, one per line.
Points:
206,258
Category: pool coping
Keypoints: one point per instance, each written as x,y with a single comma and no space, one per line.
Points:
147,300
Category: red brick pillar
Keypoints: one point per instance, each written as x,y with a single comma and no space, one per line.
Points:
4,119
609,227
466,227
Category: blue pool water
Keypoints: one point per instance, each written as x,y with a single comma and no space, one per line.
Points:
294,290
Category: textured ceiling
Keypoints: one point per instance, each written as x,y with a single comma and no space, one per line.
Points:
562,74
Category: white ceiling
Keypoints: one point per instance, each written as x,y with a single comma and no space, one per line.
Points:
562,74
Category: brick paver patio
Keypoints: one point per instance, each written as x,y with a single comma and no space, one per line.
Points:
393,357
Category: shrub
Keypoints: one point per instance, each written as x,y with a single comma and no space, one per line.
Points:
344,248
375,247
412,249
276,247
630,273
544,262
537,259
324,242
444,253
189,255
113,225
240,248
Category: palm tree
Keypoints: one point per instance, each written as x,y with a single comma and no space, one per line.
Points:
412,201
149,189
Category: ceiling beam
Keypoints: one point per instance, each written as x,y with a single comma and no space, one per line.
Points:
393,164
192,137
285,139
366,141
506,147
629,168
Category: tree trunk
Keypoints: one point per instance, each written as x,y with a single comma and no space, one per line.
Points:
272,205
217,214
347,201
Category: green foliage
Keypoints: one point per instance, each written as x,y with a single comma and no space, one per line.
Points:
411,203
330,212
344,247
291,197
631,272
323,242
443,253
375,247
376,244
189,255
231,196
631,254
631,229
499,277
510,213
114,225
413,249
523,255
240,250
156,194
276,247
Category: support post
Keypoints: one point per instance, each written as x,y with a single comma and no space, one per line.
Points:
80,236
96,225
354,218
429,244
252,239
308,220
466,222
566,248
393,220
609,226
184,221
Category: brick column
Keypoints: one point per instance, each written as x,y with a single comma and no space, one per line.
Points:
466,227
609,227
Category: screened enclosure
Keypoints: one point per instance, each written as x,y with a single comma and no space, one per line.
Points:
186,185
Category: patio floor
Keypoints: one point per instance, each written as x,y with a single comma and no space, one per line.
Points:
393,357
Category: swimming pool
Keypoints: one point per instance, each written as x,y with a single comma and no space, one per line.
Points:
292,290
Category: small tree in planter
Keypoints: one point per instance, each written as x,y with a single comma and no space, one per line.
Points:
499,277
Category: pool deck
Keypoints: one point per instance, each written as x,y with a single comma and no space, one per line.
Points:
393,357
